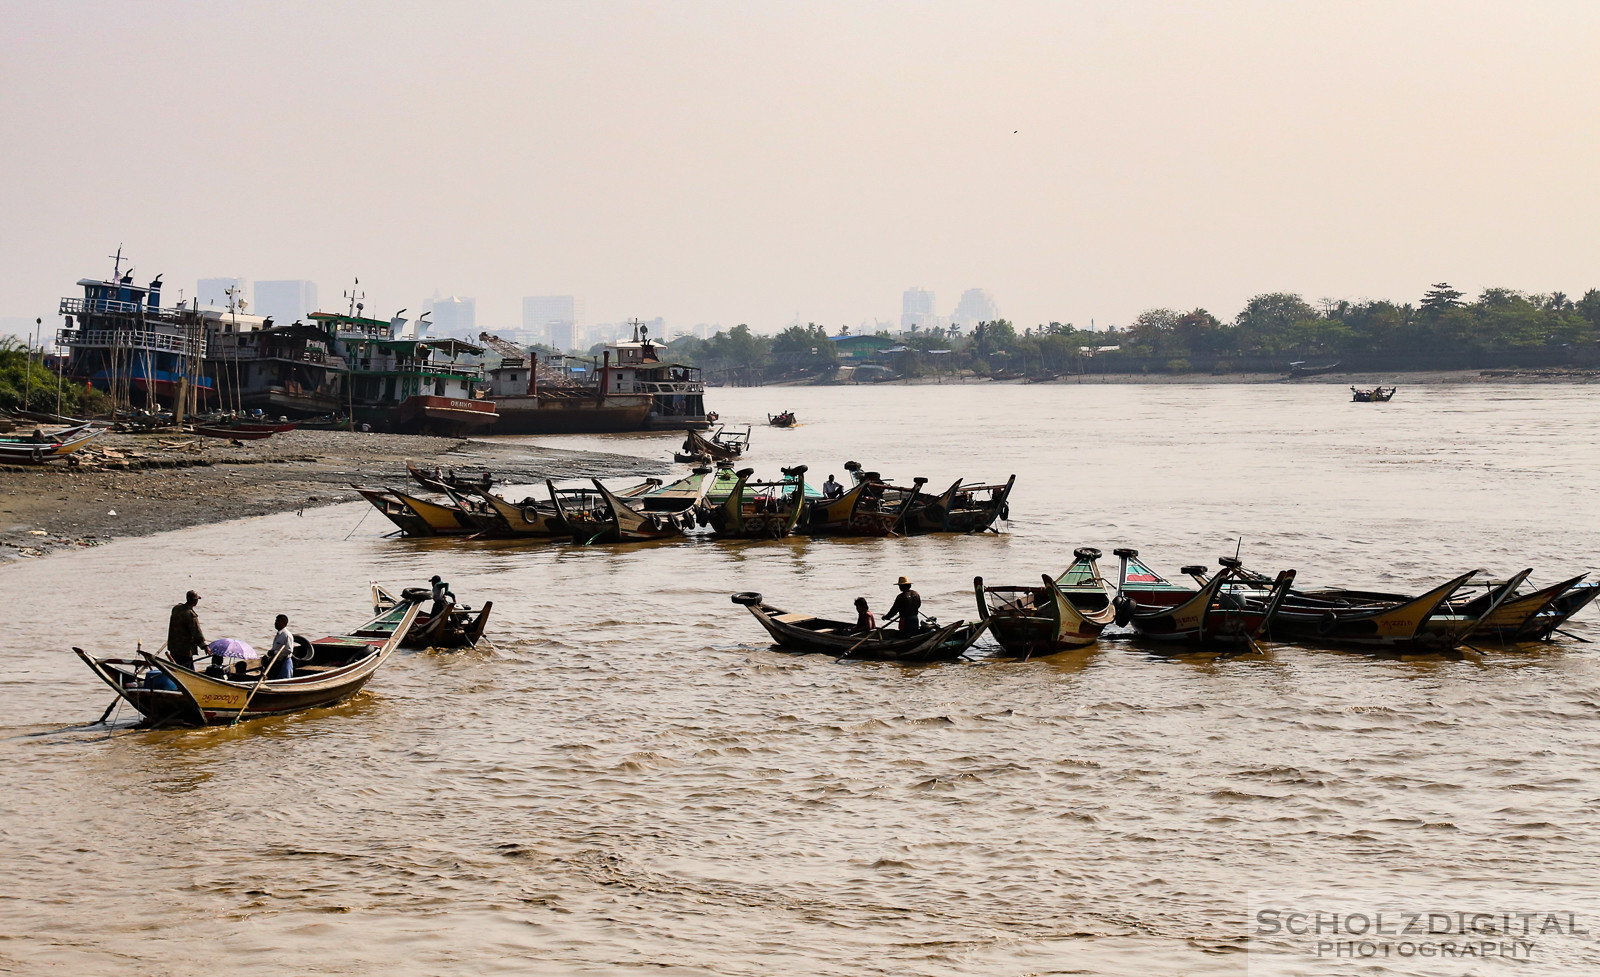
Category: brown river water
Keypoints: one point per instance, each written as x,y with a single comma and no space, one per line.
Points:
630,779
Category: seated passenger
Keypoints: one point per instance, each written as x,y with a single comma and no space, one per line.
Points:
865,622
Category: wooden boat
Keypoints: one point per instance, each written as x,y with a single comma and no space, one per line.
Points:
1300,368
761,510
1386,622
1069,611
445,520
1377,395
528,518
960,510
614,521
231,433
396,512
483,517
28,450
458,627
498,517
871,507
332,670
786,419
724,445
448,480
687,493
1163,611
1547,622
799,632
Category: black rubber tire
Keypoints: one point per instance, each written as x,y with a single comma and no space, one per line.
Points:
747,598
303,650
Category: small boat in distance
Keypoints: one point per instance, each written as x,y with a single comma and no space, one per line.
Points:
1300,368
786,419
1377,395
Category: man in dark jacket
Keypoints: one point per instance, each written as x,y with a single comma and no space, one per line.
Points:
907,607
184,637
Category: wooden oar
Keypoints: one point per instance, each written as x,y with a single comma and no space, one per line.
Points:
1574,637
864,639
266,669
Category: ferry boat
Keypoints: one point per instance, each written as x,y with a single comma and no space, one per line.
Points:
677,392
121,340
288,371
408,384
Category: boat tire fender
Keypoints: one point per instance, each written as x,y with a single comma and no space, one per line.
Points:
1327,623
747,598
304,650
1124,606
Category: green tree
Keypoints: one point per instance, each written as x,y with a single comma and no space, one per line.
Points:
1439,299
1265,324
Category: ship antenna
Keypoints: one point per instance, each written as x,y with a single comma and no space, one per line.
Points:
116,267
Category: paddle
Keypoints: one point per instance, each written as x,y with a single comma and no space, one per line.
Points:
1574,637
266,669
864,639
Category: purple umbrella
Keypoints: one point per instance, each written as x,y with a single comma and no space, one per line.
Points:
232,648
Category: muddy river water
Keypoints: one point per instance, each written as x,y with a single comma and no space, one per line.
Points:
630,780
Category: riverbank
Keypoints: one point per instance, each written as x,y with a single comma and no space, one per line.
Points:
136,485
1412,378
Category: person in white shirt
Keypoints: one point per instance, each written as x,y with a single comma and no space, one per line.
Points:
280,659
832,489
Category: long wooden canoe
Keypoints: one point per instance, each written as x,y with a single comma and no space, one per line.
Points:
1069,611
800,632
167,693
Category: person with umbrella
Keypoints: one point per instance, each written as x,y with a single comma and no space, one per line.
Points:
231,650
184,637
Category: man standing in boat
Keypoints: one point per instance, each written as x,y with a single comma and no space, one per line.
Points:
443,599
184,637
280,659
907,607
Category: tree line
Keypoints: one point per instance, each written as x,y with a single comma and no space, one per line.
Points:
1280,325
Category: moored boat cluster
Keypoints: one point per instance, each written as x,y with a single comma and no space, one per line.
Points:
712,500
1234,608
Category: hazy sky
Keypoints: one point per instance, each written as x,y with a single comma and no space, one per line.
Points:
747,162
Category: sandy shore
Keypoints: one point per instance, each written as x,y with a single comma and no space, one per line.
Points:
135,485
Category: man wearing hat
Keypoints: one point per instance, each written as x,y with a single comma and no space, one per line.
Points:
907,607
184,636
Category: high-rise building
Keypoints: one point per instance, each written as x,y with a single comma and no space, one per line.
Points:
454,316
975,306
916,308
285,301
558,319
213,292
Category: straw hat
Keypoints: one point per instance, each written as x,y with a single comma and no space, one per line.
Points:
903,582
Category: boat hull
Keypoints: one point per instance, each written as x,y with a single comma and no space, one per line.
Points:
449,417
544,415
